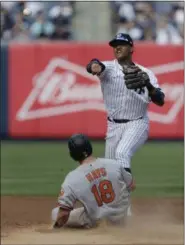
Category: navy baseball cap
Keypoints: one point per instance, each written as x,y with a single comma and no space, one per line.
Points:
121,38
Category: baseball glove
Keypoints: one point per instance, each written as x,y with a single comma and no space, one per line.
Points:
135,78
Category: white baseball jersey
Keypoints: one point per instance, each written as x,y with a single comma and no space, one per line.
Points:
101,186
120,102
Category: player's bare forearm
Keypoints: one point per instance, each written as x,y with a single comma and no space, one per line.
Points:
62,218
156,95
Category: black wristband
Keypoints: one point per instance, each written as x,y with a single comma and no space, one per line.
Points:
158,96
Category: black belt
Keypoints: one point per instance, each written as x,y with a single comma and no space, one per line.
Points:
122,120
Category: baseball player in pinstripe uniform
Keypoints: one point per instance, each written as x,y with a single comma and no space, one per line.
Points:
127,89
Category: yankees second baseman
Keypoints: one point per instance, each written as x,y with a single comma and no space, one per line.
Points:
100,185
127,90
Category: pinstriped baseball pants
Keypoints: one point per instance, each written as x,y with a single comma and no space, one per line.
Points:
124,139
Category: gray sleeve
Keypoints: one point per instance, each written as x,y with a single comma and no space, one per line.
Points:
67,197
127,177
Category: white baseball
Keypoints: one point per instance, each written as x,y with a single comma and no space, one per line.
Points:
27,11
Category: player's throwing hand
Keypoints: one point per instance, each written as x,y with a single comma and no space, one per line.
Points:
95,67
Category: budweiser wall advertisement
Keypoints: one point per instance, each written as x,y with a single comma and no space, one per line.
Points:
52,95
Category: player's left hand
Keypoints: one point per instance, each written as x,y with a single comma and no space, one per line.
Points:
135,78
62,218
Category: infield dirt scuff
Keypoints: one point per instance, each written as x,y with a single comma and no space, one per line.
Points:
158,221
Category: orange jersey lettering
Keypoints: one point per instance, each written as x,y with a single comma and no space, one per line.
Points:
95,174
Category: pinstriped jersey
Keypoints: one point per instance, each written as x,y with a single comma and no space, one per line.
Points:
120,102
101,186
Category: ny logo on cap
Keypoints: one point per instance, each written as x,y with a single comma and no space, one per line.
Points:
121,36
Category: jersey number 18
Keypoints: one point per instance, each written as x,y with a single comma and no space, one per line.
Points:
103,193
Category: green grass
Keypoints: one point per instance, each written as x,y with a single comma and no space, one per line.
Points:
38,168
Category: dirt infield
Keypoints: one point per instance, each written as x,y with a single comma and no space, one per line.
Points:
26,220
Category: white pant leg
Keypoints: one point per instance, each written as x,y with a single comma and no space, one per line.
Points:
113,137
121,216
135,135
78,218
